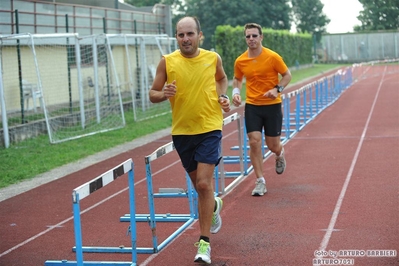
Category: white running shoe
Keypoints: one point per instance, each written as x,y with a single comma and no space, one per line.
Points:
216,219
203,253
260,189
280,164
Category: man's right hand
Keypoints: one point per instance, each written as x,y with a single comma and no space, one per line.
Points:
236,100
170,89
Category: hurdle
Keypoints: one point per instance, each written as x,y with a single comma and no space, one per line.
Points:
221,174
85,190
310,100
152,218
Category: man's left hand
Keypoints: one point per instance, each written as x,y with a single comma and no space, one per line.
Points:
224,103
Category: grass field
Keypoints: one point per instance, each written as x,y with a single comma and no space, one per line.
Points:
29,158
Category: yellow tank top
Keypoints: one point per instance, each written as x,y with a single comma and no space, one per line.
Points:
195,107
261,75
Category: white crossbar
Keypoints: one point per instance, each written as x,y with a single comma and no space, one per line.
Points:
102,180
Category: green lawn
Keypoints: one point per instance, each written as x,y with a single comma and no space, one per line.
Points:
30,158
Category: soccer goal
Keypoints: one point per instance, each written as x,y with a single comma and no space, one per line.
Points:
136,58
69,86
57,71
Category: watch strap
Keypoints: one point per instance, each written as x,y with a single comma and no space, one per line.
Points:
279,88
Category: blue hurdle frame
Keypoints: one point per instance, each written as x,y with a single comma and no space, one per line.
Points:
311,100
85,190
152,218
221,174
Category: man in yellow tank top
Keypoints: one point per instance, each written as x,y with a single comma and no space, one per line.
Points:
261,68
194,81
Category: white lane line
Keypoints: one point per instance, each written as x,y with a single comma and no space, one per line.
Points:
84,211
60,224
334,217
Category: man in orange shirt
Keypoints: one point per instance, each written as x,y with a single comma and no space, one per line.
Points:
261,68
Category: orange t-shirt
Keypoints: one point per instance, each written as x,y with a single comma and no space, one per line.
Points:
261,75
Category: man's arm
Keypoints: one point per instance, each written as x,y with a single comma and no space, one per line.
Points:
285,78
160,92
221,78
237,85
221,85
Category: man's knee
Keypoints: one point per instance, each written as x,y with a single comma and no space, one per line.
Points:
203,186
254,139
276,148
274,144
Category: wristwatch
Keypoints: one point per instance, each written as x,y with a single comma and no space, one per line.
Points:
224,96
279,88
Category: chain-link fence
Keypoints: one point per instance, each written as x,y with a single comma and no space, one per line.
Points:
359,47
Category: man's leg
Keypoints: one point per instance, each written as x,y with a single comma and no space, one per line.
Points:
275,146
202,179
255,152
256,156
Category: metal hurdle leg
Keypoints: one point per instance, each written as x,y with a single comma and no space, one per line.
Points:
188,218
85,190
286,117
152,218
246,169
238,175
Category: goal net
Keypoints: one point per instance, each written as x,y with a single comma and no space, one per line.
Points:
136,58
69,87
56,80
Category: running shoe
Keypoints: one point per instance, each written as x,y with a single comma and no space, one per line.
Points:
216,219
203,253
280,164
260,189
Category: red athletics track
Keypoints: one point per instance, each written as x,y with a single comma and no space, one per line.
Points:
339,192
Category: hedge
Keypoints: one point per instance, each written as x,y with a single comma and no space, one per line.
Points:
294,48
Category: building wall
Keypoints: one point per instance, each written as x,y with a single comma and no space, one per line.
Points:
83,17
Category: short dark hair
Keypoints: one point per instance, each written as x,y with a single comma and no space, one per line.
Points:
196,23
253,26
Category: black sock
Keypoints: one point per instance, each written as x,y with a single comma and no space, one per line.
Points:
205,238
214,208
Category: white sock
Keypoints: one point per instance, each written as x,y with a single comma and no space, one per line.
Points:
281,153
261,179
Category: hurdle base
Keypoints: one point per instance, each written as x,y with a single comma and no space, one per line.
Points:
167,217
172,190
139,250
121,250
91,263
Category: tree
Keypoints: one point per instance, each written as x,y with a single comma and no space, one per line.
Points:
309,16
276,15
212,13
379,15
140,3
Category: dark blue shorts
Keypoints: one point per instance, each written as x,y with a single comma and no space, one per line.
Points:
267,117
203,148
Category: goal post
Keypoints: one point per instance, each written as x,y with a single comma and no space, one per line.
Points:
136,57
69,86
